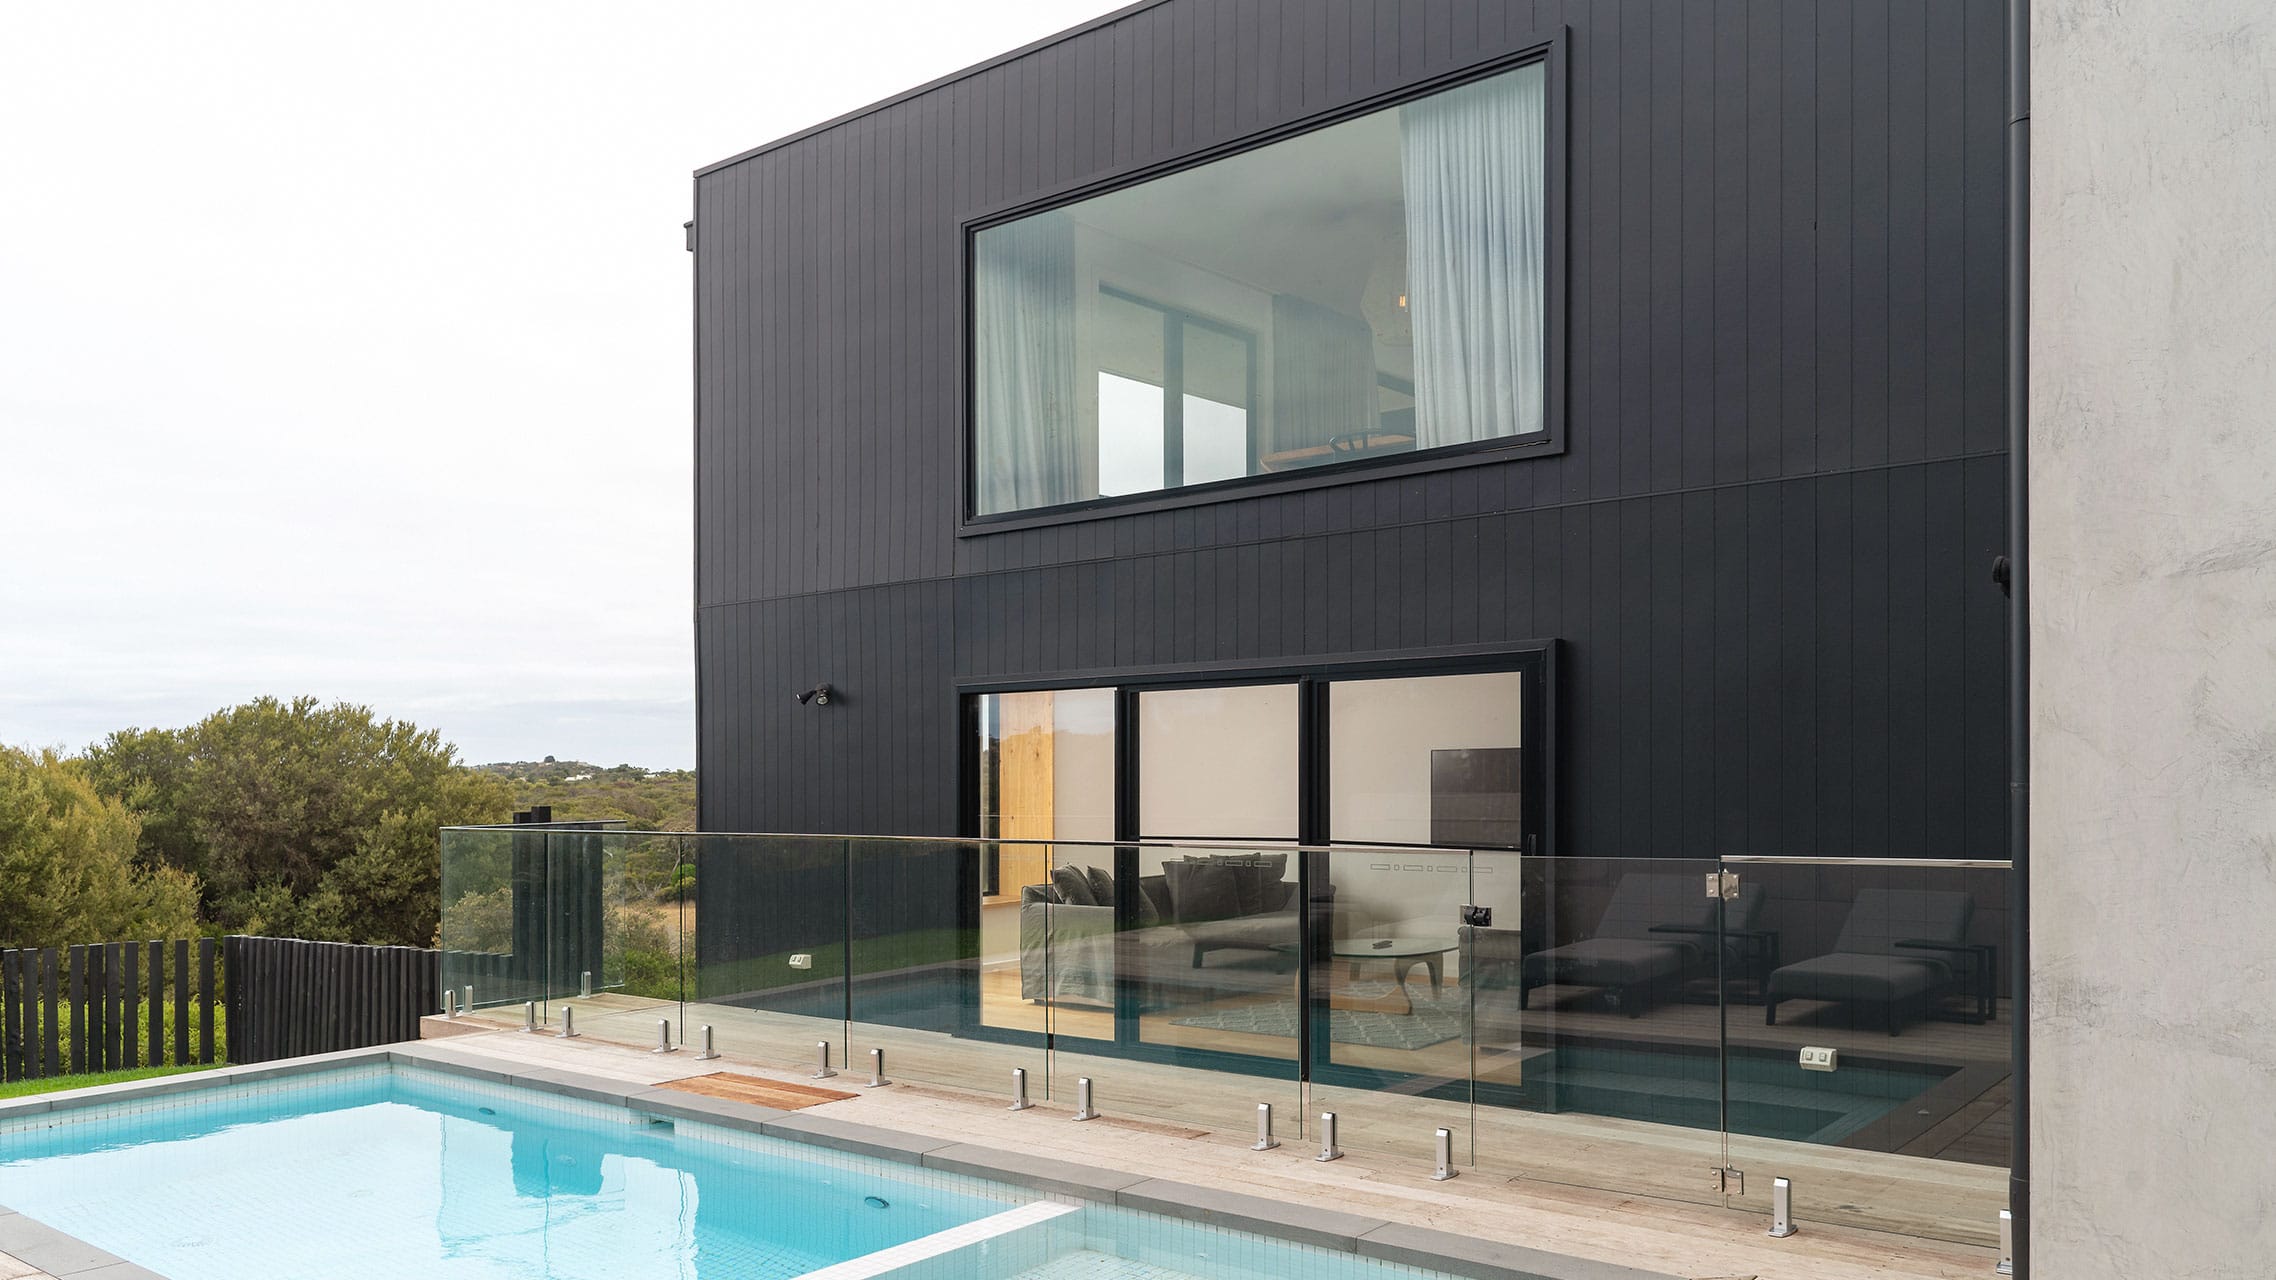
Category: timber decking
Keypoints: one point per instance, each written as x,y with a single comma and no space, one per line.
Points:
777,1094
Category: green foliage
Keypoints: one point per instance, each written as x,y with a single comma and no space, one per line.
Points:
662,800
53,1084
67,862
300,818
480,921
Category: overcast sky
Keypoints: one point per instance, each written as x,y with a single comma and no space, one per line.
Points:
344,349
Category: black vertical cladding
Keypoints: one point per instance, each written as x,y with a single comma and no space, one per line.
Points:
1762,546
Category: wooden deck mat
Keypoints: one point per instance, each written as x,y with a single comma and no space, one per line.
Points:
759,1093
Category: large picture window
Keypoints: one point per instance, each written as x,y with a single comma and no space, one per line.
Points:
1363,291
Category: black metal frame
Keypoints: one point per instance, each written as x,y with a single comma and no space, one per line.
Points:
1534,661
1175,321
1546,47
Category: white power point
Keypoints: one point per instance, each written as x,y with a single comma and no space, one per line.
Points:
801,960
1817,1058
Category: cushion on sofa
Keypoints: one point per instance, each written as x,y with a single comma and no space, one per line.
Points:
1102,885
1202,889
1074,887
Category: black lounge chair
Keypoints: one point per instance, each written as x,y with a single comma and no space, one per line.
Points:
1895,950
1656,931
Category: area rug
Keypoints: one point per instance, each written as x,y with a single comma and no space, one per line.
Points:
1434,1021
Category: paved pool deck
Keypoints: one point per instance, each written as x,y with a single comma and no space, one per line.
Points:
1492,1227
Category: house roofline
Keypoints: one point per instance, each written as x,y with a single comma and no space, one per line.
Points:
1103,20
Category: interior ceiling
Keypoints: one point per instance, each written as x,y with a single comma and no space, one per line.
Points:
1309,216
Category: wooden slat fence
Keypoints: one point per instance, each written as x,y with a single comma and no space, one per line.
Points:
289,996
107,1006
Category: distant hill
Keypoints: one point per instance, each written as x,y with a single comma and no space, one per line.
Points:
643,799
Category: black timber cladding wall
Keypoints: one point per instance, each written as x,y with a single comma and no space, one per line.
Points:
1767,545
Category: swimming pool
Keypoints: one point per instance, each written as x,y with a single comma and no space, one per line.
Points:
392,1170
1768,1095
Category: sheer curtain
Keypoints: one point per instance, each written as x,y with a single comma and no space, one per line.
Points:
1323,374
1471,160
1023,365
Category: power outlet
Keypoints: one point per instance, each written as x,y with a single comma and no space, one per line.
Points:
801,960
1820,1058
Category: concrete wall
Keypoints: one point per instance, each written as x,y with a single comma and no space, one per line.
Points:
2153,500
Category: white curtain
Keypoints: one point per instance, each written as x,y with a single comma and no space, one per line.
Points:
1472,163
1023,367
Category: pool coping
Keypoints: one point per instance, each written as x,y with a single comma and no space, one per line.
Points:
1333,1229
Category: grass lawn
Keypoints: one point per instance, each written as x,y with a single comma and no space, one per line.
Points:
23,1088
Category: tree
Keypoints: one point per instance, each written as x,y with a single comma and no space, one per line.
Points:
314,820
67,862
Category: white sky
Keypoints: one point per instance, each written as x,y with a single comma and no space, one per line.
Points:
344,350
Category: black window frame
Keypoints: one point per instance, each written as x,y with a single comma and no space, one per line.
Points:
1535,661
1547,48
1175,321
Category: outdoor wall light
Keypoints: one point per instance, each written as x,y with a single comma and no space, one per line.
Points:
819,695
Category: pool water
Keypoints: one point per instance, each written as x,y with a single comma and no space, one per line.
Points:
388,1174
1770,1097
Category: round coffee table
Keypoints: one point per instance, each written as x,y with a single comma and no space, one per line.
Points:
1404,954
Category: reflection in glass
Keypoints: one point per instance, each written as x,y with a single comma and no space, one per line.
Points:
1427,760
1046,773
1363,290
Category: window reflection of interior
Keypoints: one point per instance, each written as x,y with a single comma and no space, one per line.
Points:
1173,396
1366,289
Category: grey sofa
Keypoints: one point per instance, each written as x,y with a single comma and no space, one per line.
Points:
1196,908
1896,950
1658,930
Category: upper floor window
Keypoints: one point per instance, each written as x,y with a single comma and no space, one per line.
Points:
1370,289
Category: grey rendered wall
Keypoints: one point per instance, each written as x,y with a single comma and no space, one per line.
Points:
2153,501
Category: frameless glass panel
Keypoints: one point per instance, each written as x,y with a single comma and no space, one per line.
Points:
1391,997
915,989
1218,764
1598,1013
769,946
1179,999
1046,773
1379,284
1869,1042
1427,760
489,934
636,878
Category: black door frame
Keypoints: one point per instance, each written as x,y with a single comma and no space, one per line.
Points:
1534,661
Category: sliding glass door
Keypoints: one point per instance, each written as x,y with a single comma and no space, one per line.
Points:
1196,932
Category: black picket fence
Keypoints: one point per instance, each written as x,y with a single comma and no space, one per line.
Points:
107,1006
288,996
116,1006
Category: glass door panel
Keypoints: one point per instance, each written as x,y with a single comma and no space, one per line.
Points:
1215,953
1046,774
1427,760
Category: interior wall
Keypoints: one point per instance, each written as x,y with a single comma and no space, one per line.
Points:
2153,638
1084,741
1217,763
1380,737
